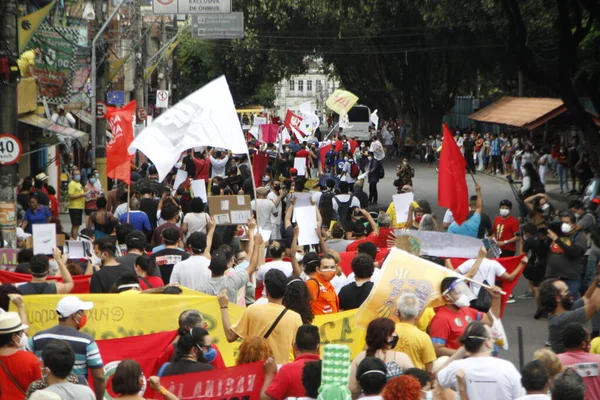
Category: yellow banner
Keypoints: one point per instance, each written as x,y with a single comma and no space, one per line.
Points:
341,101
403,272
116,316
30,23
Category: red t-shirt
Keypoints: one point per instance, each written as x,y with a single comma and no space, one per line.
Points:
448,325
382,239
303,154
202,169
288,380
155,281
371,238
25,368
505,229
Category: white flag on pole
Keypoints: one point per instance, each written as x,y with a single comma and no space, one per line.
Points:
375,119
207,117
345,122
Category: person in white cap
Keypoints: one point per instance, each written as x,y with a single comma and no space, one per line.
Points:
71,319
18,368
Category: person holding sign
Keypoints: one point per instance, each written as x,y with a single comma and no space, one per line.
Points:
39,267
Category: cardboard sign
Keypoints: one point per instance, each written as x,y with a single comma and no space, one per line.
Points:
230,210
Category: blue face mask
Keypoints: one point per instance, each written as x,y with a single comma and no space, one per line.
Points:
210,355
93,180
77,178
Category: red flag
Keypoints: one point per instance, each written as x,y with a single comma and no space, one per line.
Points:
510,263
145,349
259,165
82,282
452,182
322,153
242,382
118,159
268,132
294,123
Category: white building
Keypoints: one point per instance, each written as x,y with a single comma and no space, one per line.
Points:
315,86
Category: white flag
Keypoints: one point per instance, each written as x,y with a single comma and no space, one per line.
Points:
207,117
375,118
306,108
345,122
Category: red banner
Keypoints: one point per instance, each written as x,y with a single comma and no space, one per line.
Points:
294,123
82,282
510,263
145,349
118,159
268,132
236,383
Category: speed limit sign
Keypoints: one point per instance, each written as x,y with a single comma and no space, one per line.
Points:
10,149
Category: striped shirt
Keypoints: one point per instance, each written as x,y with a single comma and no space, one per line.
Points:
496,146
85,348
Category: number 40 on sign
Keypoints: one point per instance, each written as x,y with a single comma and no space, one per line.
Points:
10,149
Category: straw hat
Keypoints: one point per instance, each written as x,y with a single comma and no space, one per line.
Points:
10,322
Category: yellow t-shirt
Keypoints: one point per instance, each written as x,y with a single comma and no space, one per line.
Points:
258,318
76,189
425,319
26,62
415,343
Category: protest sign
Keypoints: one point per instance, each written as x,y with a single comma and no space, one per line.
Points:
307,225
179,179
44,238
442,244
77,249
300,165
230,210
402,204
199,189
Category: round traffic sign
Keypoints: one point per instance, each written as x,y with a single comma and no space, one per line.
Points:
142,114
10,149
162,95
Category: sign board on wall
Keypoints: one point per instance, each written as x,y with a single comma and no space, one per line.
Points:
191,6
218,26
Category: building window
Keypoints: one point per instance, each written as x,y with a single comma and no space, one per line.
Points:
309,86
319,85
292,84
300,86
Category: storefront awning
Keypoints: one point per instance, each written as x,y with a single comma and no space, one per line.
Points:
524,112
62,132
83,115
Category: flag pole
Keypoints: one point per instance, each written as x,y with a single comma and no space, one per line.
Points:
332,129
473,177
128,197
253,184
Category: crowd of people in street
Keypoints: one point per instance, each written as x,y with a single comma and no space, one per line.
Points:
155,236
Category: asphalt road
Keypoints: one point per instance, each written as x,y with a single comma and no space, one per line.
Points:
494,190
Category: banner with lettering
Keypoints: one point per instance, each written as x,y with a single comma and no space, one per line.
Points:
8,260
341,101
82,282
118,316
236,383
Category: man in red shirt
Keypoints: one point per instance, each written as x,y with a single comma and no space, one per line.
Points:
303,153
287,382
202,167
450,321
505,230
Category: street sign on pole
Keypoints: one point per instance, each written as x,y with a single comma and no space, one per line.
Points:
191,6
218,26
162,99
10,149
142,114
100,110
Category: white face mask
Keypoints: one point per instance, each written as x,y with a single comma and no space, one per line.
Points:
565,228
504,212
546,206
299,257
369,158
462,301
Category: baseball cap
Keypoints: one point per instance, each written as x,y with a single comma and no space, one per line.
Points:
293,171
69,305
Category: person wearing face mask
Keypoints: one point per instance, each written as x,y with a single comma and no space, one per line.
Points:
506,230
381,339
324,298
58,358
276,195
375,169
577,356
450,321
104,278
191,350
556,298
92,195
567,250
77,196
18,368
72,318
486,377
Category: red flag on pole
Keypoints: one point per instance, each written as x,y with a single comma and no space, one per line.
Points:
293,123
322,155
118,159
452,182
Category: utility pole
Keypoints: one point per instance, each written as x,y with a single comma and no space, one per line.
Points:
8,109
100,90
163,64
174,68
140,58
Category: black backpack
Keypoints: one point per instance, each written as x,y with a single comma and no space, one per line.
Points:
380,171
343,208
326,207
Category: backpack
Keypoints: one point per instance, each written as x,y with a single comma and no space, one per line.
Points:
343,208
354,170
380,171
330,158
326,207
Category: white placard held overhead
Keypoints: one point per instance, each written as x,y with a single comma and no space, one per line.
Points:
199,189
76,249
258,121
402,204
179,179
300,165
307,225
44,238
162,99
